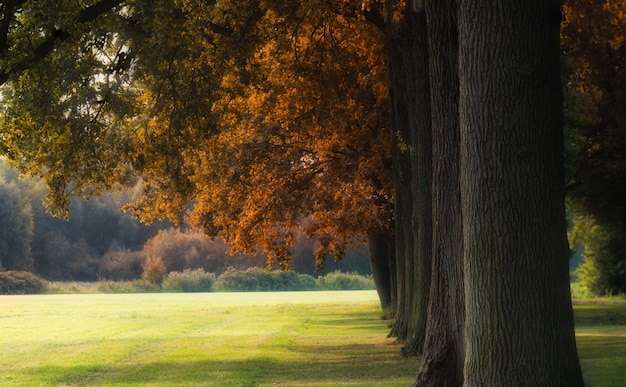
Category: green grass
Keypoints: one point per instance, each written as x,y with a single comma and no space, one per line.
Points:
601,340
221,339
239,339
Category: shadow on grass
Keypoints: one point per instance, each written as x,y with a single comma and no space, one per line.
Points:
609,314
362,367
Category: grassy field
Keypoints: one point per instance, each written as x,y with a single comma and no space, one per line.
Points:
601,339
237,339
220,339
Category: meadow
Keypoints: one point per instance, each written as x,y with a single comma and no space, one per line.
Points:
322,338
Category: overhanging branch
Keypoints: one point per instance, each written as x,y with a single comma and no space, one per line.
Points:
47,46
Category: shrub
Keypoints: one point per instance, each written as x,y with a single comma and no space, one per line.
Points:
20,282
189,281
345,281
121,265
256,279
234,280
603,271
136,286
307,282
289,280
192,250
154,270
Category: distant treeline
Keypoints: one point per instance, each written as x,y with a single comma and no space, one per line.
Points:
99,241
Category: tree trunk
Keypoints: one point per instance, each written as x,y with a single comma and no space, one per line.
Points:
519,328
421,147
380,251
444,349
410,114
401,163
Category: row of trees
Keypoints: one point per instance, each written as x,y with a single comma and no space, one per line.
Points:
432,129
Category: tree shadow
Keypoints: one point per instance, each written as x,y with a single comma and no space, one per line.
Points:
371,368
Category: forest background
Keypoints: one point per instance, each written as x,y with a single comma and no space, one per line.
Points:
101,242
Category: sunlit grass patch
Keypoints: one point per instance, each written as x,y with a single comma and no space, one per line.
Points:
601,341
238,339
234,339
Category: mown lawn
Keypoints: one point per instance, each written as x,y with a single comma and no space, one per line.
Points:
221,339
601,339
237,339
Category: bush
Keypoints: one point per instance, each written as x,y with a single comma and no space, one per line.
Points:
256,279
154,270
307,282
121,265
189,281
136,286
345,281
21,282
233,280
603,271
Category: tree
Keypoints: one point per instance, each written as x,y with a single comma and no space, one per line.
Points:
516,253
172,92
594,44
410,110
444,347
16,229
238,104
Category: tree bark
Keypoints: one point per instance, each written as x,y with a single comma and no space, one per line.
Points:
444,349
410,115
421,186
380,250
519,328
401,163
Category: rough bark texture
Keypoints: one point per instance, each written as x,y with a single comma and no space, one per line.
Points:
380,249
410,111
519,328
421,187
442,362
401,174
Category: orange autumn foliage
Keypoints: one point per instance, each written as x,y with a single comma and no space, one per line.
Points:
301,139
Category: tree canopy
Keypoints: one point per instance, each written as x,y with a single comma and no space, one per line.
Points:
183,94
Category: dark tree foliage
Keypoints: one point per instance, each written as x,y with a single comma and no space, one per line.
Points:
595,49
16,228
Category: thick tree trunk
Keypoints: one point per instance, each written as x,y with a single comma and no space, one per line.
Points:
444,349
401,163
380,250
410,111
421,147
519,328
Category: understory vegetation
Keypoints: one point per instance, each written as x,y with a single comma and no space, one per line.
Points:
232,280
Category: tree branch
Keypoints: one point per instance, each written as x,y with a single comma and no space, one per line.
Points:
47,46
8,12
92,12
